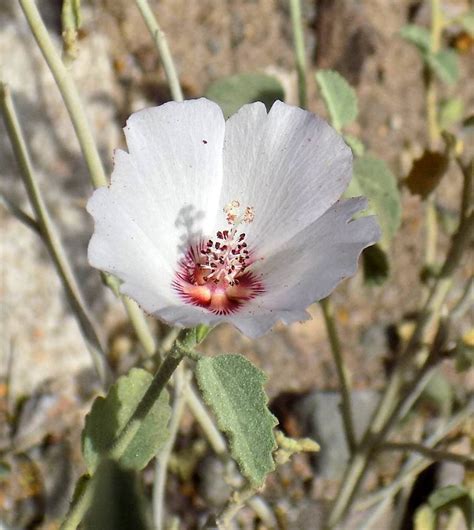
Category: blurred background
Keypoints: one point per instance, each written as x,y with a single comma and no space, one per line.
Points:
47,381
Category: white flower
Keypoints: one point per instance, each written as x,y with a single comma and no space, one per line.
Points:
239,221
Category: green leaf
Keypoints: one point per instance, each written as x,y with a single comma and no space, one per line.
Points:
109,415
230,93
375,265
445,65
358,148
118,501
467,22
426,173
233,387
340,98
373,179
417,35
450,496
450,111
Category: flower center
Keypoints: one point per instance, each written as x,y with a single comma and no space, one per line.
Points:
215,273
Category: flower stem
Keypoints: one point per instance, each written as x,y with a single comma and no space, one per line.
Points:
49,236
346,410
22,216
161,378
163,49
84,135
300,56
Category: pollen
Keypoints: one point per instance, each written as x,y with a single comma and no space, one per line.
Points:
216,273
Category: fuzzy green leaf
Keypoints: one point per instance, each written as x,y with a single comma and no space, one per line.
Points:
118,502
340,98
373,179
233,387
358,148
230,93
417,35
109,415
445,65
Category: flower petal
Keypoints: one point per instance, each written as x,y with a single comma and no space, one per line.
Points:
177,150
162,194
290,165
310,265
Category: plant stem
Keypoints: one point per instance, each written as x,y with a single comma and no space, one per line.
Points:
431,221
49,236
140,325
22,216
346,410
237,501
88,146
68,92
300,56
79,507
433,128
161,464
161,378
163,49
198,410
428,452
416,464
358,464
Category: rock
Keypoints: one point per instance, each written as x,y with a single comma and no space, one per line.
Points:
321,416
213,486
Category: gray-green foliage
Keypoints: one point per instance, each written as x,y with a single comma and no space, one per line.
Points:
355,144
109,415
443,63
339,97
230,93
373,179
118,502
233,387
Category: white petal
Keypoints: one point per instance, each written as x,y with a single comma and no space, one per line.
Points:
177,150
309,266
255,320
119,246
290,165
161,194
